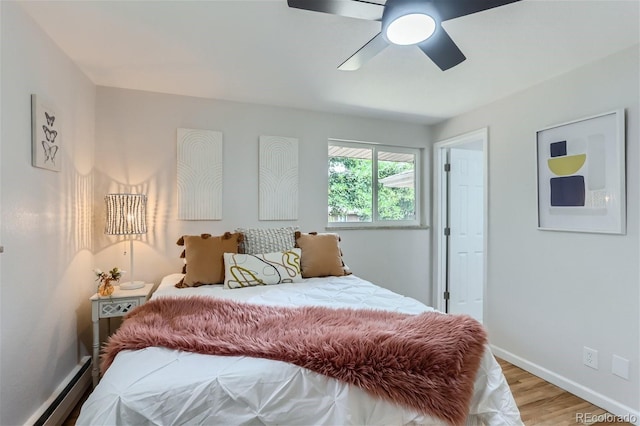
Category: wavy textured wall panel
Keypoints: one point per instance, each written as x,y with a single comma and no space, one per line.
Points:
199,174
278,178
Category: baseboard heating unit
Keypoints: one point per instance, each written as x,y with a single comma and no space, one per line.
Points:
57,408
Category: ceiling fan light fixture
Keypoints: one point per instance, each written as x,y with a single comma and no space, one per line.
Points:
411,28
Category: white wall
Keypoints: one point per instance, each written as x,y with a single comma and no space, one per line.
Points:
46,278
136,150
551,293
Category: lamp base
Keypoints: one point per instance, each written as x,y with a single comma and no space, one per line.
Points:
131,285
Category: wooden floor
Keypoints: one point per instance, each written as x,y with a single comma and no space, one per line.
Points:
540,403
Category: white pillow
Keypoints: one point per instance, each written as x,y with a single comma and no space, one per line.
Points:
244,270
267,240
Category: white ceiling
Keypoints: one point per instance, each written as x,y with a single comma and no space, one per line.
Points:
264,52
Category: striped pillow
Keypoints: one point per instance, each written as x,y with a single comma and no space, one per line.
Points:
268,240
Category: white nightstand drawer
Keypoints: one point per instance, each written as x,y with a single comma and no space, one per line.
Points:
116,308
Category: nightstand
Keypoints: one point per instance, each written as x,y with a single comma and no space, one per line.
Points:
118,304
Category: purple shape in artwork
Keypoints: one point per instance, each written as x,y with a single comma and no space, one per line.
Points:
558,149
567,191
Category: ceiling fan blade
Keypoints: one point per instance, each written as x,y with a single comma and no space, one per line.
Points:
351,8
449,9
366,52
442,50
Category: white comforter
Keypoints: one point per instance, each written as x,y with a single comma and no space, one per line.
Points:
167,387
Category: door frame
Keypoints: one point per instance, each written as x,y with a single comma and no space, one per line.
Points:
440,211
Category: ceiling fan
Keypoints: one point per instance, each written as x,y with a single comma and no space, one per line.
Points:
404,22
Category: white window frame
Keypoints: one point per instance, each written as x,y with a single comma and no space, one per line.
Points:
375,220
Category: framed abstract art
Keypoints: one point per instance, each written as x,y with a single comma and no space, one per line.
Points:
581,175
199,174
278,178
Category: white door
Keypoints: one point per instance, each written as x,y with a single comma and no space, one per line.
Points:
466,240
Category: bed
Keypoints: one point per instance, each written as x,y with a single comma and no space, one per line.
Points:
268,326
162,386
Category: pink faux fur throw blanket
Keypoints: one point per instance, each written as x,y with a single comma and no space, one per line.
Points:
426,362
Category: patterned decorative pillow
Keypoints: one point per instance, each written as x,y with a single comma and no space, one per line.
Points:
204,260
244,270
268,240
321,255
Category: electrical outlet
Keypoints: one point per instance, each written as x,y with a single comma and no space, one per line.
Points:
590,357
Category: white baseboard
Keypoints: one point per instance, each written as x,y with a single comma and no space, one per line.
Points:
58,406
614,407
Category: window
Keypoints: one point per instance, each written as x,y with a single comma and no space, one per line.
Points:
373,185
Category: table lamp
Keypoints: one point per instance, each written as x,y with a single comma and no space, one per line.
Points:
126,215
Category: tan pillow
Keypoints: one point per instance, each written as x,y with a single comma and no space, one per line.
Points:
204,258
321,256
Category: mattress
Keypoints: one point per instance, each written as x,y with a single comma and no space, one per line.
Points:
168,387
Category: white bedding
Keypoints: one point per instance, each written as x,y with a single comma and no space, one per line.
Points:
167,387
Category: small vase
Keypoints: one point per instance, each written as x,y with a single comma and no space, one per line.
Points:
106,288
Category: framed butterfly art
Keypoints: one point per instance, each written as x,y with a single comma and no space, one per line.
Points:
45,136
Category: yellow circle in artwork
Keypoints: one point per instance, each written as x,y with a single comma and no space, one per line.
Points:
566,165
